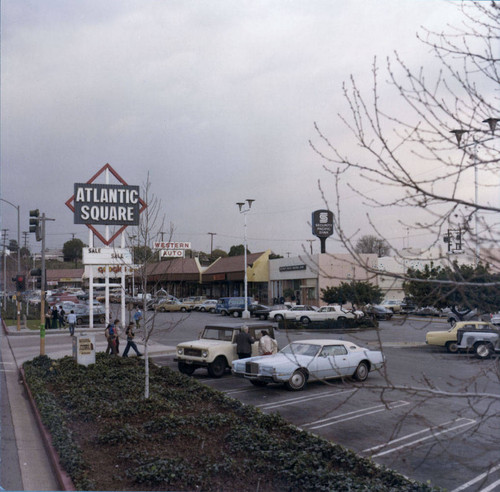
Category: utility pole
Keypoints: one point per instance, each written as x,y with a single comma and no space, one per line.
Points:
212,234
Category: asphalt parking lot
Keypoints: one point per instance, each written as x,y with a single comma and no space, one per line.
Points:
430,415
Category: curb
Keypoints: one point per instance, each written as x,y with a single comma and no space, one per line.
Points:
62,477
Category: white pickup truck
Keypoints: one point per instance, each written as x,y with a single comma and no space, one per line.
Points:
484,343
325,313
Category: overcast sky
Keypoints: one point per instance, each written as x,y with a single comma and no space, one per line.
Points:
215,99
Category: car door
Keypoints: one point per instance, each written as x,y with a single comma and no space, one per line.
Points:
332,361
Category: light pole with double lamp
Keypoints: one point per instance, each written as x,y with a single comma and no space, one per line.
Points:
492,123
244,210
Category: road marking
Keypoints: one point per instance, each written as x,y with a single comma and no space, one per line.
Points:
301,399
468,422
479,478
354,415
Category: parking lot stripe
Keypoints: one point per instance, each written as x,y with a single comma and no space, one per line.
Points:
479,478
354,415
294,401
417,441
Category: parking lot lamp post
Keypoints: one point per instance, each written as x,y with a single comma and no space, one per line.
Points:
244,211
492,123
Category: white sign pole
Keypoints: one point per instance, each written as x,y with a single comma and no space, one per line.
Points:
123,284
91,286
106,278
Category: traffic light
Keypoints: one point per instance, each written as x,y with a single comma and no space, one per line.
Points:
36,273
20,281
35,224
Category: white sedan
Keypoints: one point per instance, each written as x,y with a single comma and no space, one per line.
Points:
309,359
290,313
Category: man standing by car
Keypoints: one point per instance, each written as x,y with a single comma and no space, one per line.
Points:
244,343
267,345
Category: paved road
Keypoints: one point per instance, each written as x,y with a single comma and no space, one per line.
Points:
432,415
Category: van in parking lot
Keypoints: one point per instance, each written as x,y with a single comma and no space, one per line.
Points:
226,303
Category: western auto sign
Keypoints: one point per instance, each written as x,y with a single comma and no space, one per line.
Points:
95,204
322,223
171,245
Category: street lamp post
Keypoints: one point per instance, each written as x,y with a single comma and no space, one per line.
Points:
244,211
492,123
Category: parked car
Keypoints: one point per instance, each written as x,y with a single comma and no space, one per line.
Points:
301,361
262,312
290,312
171,306
483,343
393,304
83,314
208,305
237,312
216,348
448,338
427,311
377,311
324,313
452,318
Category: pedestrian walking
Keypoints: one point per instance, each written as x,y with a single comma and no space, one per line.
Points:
130,340
117,332
138,317
71,322
109,333
244,343
61,314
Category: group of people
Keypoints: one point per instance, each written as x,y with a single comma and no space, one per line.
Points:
244,341
55,317
112,334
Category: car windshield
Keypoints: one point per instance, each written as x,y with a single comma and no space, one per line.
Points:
301,349
218,334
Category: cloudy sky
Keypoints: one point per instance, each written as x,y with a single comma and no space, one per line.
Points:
216,100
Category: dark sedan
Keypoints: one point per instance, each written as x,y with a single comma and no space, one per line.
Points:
257,310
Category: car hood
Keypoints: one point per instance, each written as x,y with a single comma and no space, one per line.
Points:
277,360
202,343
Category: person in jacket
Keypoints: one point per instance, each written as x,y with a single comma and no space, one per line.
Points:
267,345
130,341
244,343
71,322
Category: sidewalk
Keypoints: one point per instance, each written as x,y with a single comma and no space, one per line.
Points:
37,470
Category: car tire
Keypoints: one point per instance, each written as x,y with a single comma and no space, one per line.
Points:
278,317
483,350
256,382
102,320
297,381
212,310
202,310
79,321
183,309
217,368
236,314
184,368
341,321
361,372
263,317
305,320
452,347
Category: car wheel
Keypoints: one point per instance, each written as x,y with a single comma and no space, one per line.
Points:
217,367
202,310
263,317
212,310
183,309
102,320
256,382
305,320
297,381
341,321
79,321
452,347
236,314
186,368
483,350
278,317
361,372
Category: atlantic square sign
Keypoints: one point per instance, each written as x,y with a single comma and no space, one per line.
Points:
96,204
